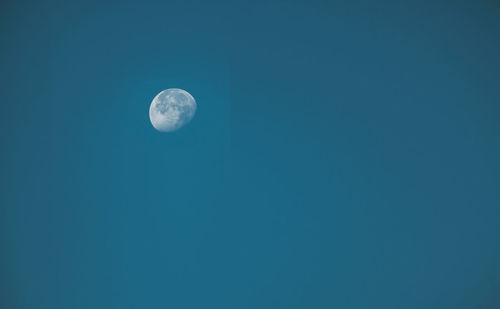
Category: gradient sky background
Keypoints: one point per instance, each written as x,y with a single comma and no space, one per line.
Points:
343,155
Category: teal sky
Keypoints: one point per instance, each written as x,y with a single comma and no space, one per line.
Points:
343,155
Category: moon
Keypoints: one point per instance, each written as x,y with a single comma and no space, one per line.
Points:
172,109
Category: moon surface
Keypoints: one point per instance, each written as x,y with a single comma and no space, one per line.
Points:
172,109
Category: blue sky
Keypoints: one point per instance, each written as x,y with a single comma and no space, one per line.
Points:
343,155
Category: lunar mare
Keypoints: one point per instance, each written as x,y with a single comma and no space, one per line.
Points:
172,109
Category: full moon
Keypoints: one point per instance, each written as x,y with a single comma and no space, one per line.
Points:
172,109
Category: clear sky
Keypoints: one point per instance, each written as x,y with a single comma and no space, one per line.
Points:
343,155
